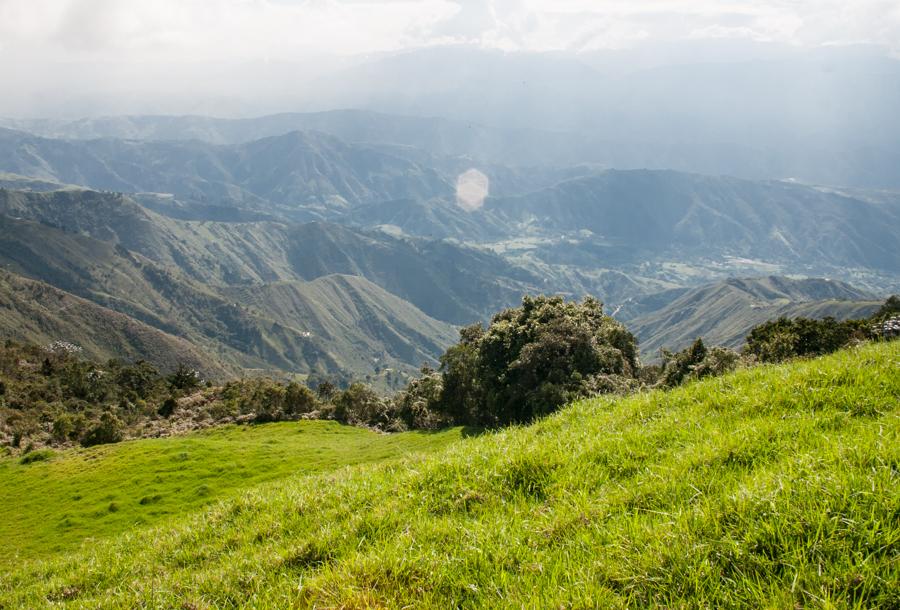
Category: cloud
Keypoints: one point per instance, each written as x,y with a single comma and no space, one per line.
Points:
216,29
88,48
282,29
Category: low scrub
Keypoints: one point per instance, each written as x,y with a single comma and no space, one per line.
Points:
527,363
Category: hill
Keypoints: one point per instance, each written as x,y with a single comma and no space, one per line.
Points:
77,494
447,281
773,486
36,312
361,325
162,297
301,174
632,215
724,312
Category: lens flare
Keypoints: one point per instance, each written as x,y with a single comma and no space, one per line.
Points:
472,187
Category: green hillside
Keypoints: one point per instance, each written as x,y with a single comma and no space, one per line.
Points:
776,486
54,504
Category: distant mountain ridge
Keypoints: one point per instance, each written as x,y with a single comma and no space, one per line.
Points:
665,212
306,171
722,313
623,215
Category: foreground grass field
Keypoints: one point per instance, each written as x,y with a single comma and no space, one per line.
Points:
772,487
54,504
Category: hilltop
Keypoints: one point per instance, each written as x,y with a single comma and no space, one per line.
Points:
772,486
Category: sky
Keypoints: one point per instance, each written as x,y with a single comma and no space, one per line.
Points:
142,30
101,43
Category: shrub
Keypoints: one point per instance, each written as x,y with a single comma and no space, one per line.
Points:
107,430
784,338
268,402
183,378
696,362
299,399
676,367
719,360
890,309
63,427
415,406
167,407
532,359
41,455
139,379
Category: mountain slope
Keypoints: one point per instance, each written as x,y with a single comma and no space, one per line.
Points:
361,325
36,312
664,213
163,298
771,487
235,334
722,313
447,281
301,173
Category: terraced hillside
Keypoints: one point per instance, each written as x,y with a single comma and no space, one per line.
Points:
776,486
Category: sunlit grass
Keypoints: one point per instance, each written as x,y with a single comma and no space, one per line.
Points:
772,487
53,504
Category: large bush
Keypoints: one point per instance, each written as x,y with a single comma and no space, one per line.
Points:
532,359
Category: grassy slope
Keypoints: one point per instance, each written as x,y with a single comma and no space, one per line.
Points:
54,505
771,487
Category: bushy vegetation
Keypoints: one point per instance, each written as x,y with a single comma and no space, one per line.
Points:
772,487
525,364
51,396
784,338
696,362
532,359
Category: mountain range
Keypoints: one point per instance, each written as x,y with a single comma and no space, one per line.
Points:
298,252
825,116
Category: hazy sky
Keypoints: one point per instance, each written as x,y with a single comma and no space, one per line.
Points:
167,30
75,57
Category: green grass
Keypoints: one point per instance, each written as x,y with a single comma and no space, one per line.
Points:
52,501
773,487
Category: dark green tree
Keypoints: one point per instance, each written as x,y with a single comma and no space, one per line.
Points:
532,359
